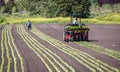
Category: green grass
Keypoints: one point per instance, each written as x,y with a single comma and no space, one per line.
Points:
2,19
36,20
112,18
100,49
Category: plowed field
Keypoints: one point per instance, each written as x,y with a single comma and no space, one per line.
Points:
42,49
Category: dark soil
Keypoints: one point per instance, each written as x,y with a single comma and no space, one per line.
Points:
104,35
98,37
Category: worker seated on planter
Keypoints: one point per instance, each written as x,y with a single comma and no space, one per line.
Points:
75,22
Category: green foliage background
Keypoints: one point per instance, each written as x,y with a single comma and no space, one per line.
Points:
49,8
58,11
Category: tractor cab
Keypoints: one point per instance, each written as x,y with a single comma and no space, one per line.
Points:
75,30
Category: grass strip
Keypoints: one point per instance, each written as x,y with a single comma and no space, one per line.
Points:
61,20
100,49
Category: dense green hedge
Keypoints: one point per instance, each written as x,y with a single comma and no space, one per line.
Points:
48,8
2,19
114,17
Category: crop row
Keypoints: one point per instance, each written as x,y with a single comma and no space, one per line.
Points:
0,26
85,59
51,60
7,43
100,49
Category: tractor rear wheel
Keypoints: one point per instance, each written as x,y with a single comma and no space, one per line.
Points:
86,36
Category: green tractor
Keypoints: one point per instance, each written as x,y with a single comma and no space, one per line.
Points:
75,31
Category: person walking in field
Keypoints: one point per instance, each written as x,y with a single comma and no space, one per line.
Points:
29,25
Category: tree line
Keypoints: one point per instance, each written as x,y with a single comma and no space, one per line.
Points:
52,8
48,8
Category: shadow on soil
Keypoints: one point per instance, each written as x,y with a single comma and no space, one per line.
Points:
88,41
92,40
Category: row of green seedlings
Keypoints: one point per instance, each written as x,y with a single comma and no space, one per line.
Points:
101,49
2,49
45,55
7,43
4,43
0,27
87,60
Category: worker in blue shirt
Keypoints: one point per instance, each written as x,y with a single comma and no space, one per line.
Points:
29,25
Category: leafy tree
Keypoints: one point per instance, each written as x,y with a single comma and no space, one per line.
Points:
53,8
32,6
8,7
2,9
67,7
14,9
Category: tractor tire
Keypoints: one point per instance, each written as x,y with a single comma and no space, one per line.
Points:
67,40
64,36
82,38
79,38
86,36
71,39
